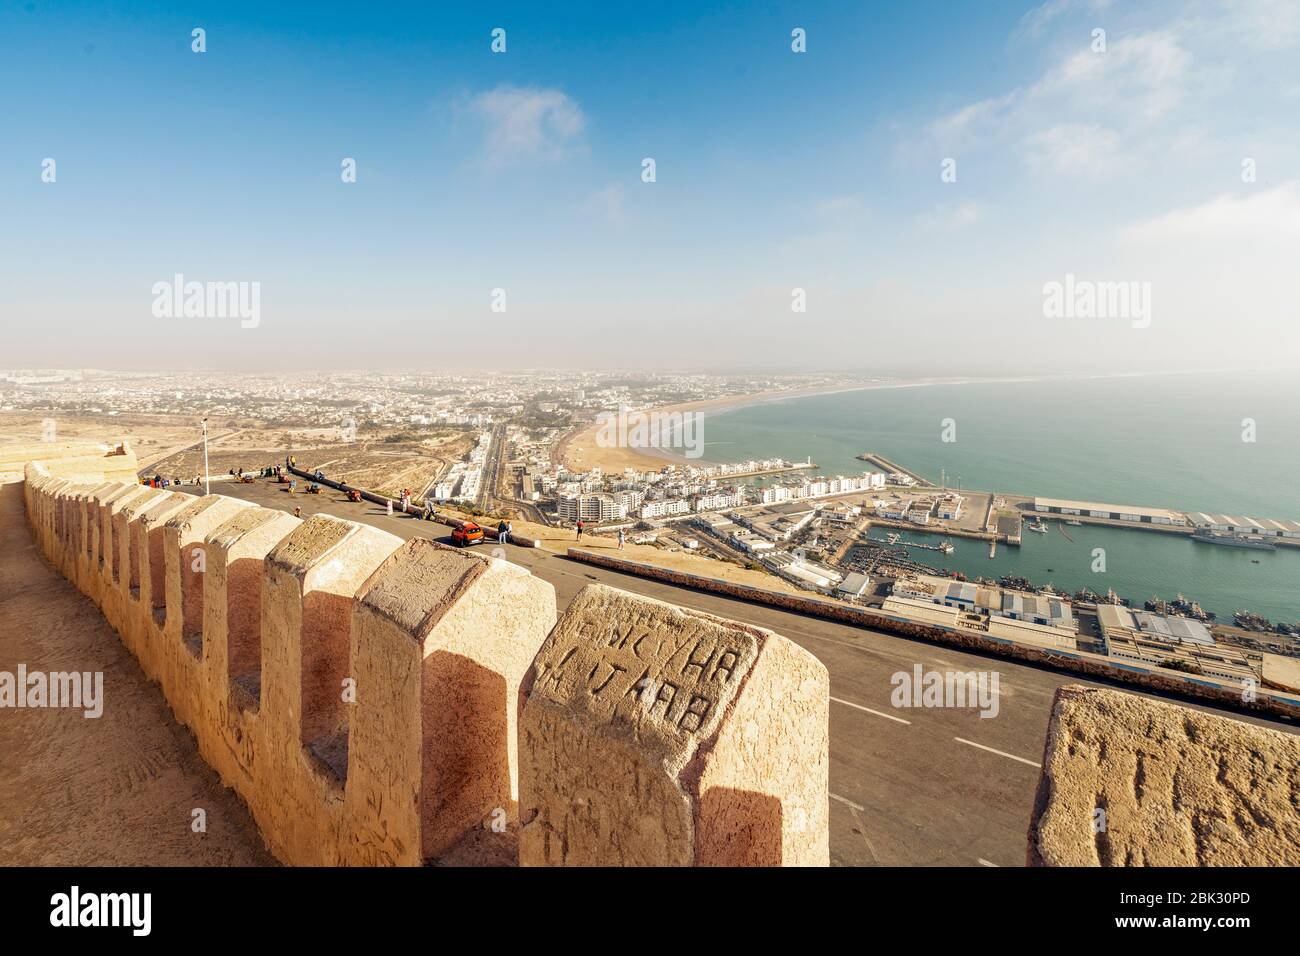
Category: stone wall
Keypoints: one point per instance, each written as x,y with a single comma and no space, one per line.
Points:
380,702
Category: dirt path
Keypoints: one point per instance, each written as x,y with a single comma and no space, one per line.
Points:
119,790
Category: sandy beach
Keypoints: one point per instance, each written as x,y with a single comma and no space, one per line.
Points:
579,450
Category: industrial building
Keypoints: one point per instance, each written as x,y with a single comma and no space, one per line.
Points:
854,585
804,573
923,611
1170,641
1264,527
1009,609
1093,509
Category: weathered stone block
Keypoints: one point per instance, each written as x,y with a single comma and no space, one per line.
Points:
654,735
441,642
312,578
185,554
232,636
107,506
1131,781
146,616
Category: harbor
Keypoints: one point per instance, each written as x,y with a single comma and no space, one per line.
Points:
1066,439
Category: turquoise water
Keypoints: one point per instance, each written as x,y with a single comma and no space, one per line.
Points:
1172,441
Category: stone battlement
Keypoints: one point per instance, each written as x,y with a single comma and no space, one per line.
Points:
1129,781
377,702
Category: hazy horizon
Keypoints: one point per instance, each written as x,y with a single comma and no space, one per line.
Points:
923,173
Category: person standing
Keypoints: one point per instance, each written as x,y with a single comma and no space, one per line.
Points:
620,539
578,528
503,532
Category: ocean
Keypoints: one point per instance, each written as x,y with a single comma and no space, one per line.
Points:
1174,441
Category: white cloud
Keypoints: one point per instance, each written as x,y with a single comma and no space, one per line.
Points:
526,123
1269,215
1140,81
1263,24
1076,149
1223,274
1035,23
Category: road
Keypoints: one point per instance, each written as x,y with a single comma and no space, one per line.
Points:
910,787
492,469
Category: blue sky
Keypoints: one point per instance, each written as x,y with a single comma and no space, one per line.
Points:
775,171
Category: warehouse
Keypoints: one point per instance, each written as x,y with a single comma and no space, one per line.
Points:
1041,635
1267,527
921,611
1093,509
854,585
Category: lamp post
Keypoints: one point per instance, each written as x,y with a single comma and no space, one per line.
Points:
207,482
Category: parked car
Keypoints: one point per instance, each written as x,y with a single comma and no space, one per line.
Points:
467,534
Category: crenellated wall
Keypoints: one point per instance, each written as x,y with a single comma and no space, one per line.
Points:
374,701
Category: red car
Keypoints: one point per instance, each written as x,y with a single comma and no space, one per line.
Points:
467,534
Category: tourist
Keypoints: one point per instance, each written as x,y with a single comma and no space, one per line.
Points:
578,528
503,532
620,539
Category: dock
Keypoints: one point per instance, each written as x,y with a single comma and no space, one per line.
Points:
884,464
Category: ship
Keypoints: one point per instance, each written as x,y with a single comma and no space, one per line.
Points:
1233,540
1250,621
1074,522
1181,606
1038,526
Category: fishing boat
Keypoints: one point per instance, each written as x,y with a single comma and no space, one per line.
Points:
1038,526
946,547
1074,522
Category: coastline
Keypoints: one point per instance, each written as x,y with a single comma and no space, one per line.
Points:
579,452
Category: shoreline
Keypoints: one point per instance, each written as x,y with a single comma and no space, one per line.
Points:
652,459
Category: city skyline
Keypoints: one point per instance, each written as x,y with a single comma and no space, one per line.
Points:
1161,158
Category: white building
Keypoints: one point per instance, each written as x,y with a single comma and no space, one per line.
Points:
666,508
589,507
949,508
720,500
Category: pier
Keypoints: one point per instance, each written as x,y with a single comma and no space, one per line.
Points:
884,464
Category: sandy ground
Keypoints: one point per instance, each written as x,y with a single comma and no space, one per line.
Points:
119,790
151,436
